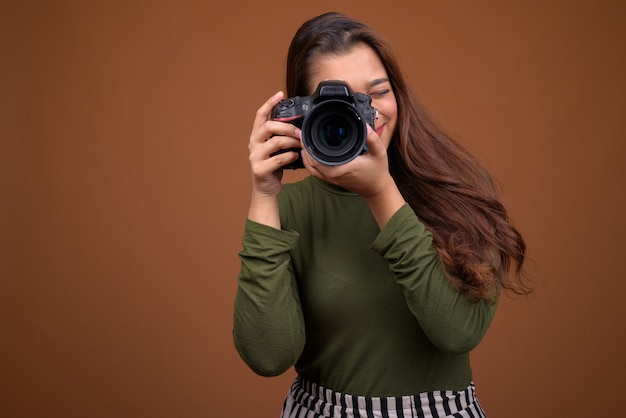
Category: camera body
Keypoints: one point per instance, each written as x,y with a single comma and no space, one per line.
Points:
333,122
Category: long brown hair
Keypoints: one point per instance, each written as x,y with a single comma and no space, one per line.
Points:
447,187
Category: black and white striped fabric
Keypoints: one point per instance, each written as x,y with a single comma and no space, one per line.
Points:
309,400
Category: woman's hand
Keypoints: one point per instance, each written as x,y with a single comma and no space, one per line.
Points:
267,138
368,175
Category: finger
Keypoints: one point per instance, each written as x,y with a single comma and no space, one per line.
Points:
270,129
277,143
306,157
269,166
374,143
277,128
316,168
264,111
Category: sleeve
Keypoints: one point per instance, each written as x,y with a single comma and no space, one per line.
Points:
451,322
268,327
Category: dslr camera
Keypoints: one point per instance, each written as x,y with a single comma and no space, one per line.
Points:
333,123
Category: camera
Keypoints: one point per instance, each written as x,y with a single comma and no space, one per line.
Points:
333,123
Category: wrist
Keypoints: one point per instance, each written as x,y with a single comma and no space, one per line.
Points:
385,203
264,209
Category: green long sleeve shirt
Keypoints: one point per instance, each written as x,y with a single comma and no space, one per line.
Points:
354,308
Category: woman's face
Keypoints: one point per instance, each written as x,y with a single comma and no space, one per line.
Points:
364,72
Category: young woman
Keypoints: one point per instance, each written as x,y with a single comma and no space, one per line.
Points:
374,278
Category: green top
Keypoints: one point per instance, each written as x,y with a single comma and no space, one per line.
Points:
356,309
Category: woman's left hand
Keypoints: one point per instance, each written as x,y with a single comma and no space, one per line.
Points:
368,175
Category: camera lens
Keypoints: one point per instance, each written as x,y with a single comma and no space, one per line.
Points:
334,133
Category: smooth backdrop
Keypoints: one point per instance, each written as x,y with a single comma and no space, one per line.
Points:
124,184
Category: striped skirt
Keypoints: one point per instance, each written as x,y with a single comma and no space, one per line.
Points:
310,400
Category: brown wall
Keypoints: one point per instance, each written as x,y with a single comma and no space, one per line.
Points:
124,186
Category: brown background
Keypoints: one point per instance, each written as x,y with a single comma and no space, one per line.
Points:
124,184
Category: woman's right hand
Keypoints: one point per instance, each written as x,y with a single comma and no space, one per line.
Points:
267,138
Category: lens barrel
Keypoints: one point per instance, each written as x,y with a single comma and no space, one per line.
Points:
334,132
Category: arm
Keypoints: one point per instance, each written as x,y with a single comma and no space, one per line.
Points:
268,137
268,325
450,321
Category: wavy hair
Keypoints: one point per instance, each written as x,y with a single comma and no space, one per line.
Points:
447,187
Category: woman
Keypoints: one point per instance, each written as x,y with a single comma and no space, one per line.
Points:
374,278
